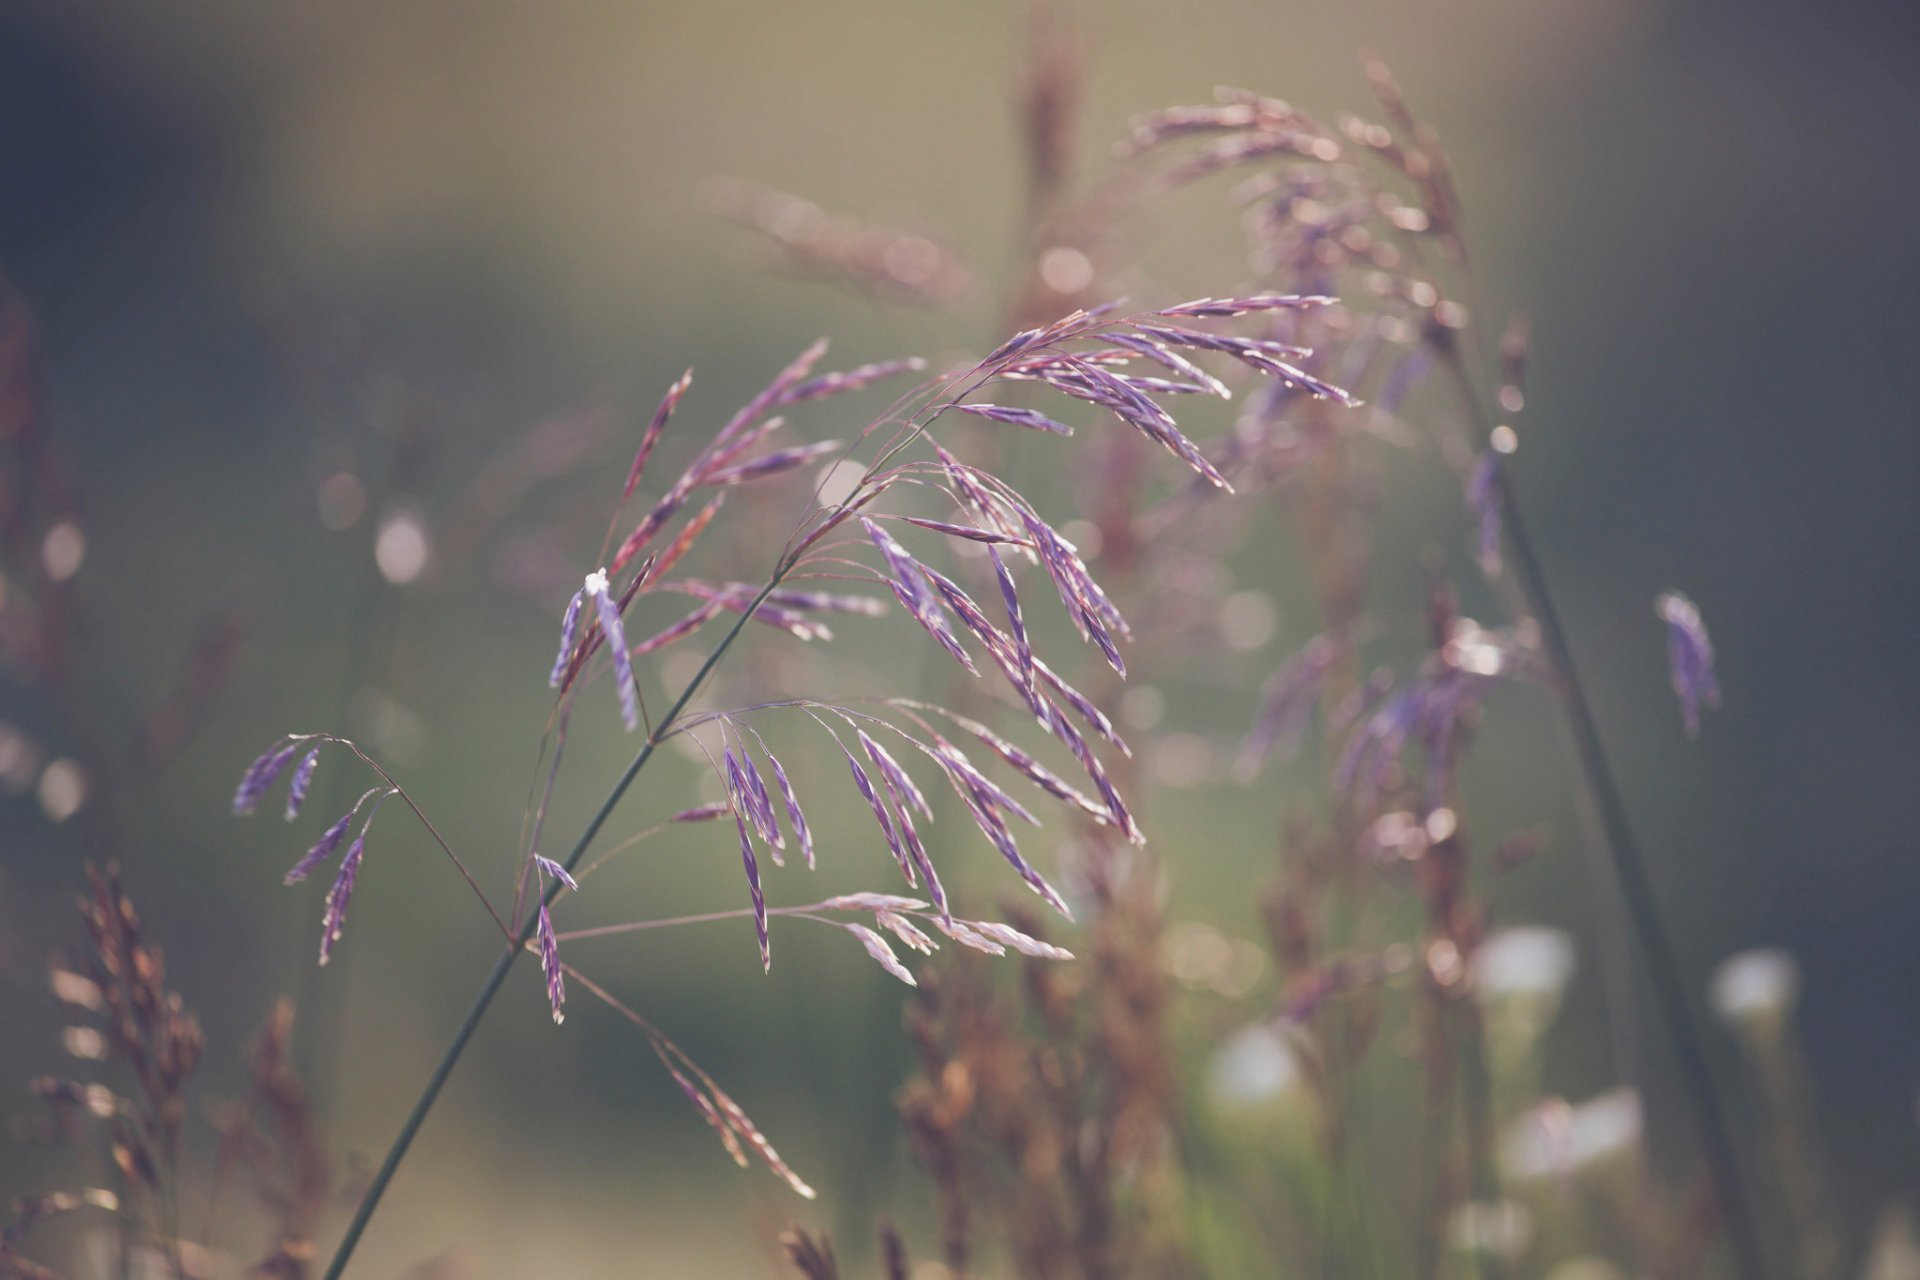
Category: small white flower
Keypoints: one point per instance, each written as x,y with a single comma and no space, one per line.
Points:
1754,987
1255,1065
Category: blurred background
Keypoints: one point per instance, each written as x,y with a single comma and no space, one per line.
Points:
349,316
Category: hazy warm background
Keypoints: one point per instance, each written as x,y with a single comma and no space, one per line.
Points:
266,243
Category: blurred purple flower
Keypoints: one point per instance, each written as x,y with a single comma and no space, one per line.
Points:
1691,655
1483,496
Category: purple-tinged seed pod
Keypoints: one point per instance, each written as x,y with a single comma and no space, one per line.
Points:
302,779
865,901
1013,939
917,850
678,631
1035,772
1018,342
750,794
835,602
702,813
1016,623
905,930
908,579
597,589
556,871
1058,725
971,615
877,948
833,384
322,849
261,775
1202,308
994,827
752,866
1690,655
772,464
1083,707
1173,360
569,634
550,966
335,918
1148,384
797,819
963,531
967,936
880,815
968,779
896,777
652,435
1018,417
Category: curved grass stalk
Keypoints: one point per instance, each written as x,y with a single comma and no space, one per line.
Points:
497,976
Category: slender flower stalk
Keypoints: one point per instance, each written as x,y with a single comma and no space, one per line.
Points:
1670,986
497,976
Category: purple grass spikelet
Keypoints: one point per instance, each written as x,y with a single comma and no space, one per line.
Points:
322,848
261,775
550,966
877,948
752,866
1018,417
556,871
905,930
795,818
335,918
1690,654
569,633
880,815
597,589
1010,937
302,779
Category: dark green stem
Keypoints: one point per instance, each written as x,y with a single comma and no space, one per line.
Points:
491,987
1643,907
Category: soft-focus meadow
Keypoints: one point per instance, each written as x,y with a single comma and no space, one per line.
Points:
350,316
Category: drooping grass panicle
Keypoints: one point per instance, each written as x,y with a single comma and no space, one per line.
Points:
1045,353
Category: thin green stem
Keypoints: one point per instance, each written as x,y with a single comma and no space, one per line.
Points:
377,1188
1643,906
